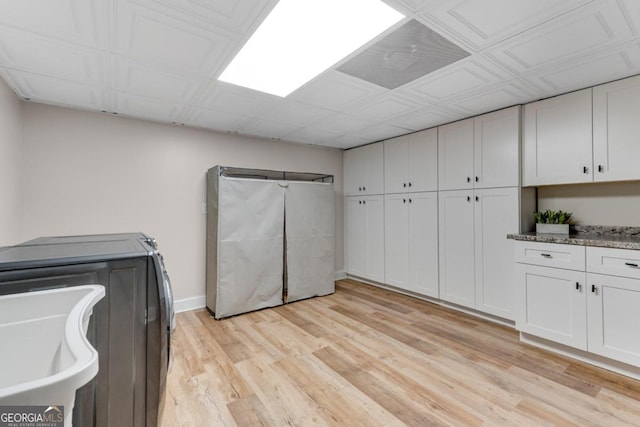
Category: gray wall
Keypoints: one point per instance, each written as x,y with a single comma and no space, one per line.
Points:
88,172
10,165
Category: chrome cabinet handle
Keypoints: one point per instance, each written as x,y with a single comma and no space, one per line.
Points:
631,264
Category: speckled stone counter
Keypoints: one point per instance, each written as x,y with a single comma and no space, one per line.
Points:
589,235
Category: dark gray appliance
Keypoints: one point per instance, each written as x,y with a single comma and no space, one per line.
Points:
131,327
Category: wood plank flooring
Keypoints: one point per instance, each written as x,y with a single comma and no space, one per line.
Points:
365,356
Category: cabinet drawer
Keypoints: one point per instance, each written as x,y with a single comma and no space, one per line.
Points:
614,262
571,257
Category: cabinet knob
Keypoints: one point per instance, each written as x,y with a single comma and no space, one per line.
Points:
409,184
468,198
364,202
578,286
477,179
600,168
404,200
477,199
585,169
404,184
364,188
468,179
359,202
359,188
546,255
631,264
409,200
594,289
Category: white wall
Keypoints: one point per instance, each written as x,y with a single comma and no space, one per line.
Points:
95,173
595,204
10,164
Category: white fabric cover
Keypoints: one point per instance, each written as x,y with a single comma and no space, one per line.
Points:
309,231
250,245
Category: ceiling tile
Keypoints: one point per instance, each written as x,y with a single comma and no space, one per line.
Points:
147,108
149,81
27,52
479,24
214,119
340,124
234,15
466,76
266,129
77,21
596,26
611,64
496,97
49,90
235,99
383,108
336,91
294,113
170,43
378,132
425,119
310,136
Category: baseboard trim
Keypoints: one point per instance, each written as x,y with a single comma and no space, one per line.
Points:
339,275
188,304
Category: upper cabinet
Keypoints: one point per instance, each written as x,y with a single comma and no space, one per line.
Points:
585,136
482,152
411,163
616,127
557,140
363,170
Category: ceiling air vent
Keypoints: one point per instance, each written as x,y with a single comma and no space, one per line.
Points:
408,53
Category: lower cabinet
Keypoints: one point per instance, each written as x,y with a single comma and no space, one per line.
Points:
613,306
411,242
365,237
473,225
552,304
594,312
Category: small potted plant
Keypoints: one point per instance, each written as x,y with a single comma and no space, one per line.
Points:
552,222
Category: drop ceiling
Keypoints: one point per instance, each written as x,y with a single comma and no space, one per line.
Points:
159,60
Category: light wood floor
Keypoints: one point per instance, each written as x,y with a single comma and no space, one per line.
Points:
369,357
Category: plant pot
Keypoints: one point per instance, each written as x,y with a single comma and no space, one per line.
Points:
552,228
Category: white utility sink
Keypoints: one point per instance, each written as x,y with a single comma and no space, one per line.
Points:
45,353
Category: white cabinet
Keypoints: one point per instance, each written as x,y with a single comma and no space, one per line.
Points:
616,109
455,155
614,317
365,237
496,215
457,283
557,140
581,307
473,248
552,305
411,163
363,170
411,242
482,152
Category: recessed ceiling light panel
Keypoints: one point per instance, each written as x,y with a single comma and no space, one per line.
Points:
301,39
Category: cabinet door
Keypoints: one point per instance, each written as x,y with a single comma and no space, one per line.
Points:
373,168
497,149
455,155
423,161
616,109
496,215
423,243
552,304
363,170
374,237
614,317
355,236
396,240
396,172
352,165
456,247
557,140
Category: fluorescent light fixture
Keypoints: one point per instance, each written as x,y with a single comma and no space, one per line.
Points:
302,38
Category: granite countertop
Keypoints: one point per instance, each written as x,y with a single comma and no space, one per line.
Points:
589,235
